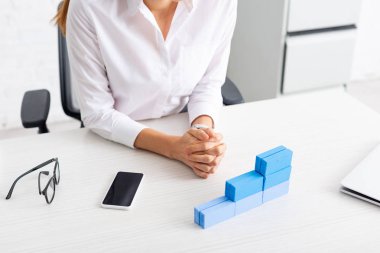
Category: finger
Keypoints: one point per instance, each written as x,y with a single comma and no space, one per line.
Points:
209,131
202,146
213,136
217,161
199,134
200,173
215,164
202,158
204,167
213,170
217,151
219,137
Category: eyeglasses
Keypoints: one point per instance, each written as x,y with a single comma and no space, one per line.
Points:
49,189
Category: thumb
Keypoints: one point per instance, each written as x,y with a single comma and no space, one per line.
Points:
199,134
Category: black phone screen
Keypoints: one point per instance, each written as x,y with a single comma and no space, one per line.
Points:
123,189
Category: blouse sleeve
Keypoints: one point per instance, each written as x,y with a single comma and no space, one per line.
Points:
89,78
206,98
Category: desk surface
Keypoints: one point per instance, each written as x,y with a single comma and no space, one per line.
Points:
329,132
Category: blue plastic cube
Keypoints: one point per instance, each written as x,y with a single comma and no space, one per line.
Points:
206,205
217,213
249,203
266,154
244,185
277,178
276,191
274,162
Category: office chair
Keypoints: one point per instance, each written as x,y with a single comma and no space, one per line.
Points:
36,103
68,99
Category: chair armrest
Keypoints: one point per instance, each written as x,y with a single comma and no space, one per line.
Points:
35,109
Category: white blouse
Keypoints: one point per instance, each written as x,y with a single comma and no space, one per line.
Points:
123,70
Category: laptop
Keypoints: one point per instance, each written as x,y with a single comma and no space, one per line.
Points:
363,182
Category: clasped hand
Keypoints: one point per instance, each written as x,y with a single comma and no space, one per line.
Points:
201,150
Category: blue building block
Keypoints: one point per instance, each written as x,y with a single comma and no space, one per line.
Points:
249,203
271,151
277,178
203,206
276,191
244,185
275,162
266,154
217,213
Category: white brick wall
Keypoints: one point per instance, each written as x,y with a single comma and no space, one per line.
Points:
29,60
28,56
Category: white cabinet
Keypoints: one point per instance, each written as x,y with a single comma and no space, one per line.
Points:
318,14
318,60
285,46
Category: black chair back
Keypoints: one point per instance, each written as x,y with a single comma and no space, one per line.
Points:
68,101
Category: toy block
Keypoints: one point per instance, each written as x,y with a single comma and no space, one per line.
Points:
217,213
244,185
276,191
249,203
277,178
203,206
271,151
275,162
266,154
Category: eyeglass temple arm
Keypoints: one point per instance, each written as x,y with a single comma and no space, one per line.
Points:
26,173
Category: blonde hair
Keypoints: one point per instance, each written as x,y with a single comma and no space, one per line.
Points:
61,16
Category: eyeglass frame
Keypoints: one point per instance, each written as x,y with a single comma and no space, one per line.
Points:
44,190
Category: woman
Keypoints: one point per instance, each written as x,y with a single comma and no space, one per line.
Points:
140,59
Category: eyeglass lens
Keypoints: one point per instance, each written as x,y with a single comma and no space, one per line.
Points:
50,191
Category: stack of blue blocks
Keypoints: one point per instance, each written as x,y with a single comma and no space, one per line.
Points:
268,181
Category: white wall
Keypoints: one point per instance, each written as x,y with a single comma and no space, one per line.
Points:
28,53
28,56
367,55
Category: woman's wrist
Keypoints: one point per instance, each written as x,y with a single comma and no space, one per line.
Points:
157,142
171,147
203,120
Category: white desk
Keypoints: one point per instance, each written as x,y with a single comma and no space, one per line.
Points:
329,132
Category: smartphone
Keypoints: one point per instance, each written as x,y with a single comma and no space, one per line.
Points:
122,191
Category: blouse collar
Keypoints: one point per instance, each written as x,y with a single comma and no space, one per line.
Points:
134,5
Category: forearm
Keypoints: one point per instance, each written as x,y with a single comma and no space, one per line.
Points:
204,120
154,141
204,107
